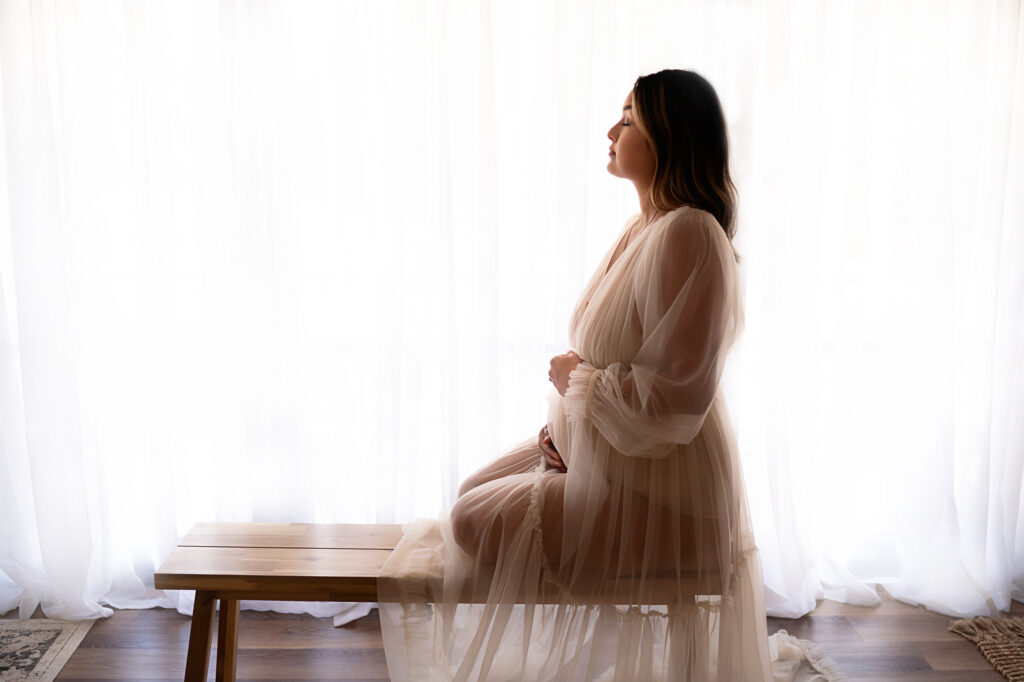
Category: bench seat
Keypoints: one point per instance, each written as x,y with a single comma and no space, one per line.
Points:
231,562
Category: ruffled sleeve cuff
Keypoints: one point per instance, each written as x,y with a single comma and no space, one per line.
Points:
580,393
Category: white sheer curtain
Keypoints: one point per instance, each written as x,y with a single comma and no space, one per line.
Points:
308,262
879,390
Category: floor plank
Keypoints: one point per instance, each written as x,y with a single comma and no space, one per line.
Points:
931,627
893,641
151,644
820,629
962,655
876,660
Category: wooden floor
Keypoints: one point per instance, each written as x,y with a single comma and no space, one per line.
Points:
893,641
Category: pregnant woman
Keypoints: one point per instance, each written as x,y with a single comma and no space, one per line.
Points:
617,544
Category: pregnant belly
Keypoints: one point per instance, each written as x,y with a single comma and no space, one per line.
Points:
558,428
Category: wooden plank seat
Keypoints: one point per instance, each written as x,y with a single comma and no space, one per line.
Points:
230,562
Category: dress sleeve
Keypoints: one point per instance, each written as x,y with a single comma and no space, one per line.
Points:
689,307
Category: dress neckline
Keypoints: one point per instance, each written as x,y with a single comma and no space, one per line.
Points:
643,230
597,283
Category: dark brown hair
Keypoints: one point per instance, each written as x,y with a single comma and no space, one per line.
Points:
680,115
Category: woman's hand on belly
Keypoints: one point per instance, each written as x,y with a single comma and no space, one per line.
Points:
561,367
551,455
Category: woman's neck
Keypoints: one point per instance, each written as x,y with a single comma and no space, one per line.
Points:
648,214
648,211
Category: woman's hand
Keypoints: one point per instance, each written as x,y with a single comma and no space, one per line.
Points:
561,367
551,455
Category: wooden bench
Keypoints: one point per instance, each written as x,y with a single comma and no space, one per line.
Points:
229,562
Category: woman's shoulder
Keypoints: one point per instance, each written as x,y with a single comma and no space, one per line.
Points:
688,215
690,233
691,224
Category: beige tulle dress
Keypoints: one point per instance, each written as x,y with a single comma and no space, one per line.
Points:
639,563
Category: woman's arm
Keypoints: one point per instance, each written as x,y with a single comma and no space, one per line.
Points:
689,311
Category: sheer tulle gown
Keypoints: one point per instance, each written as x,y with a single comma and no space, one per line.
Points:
639,563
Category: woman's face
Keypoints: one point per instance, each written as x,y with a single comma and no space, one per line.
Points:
631,156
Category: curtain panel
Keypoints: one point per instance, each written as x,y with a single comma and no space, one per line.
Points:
308,261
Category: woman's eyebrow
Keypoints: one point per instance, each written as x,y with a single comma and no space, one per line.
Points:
628,106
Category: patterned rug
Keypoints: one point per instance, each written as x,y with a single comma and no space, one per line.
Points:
36,650
1001,641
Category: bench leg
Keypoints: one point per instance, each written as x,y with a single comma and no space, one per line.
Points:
227,641
200,638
